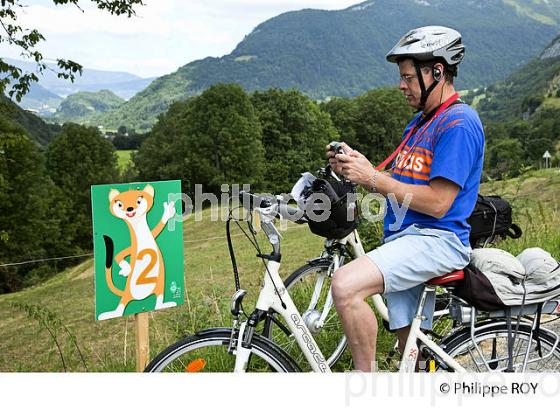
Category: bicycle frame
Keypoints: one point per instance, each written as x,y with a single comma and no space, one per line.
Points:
269,298
410,353
353,240
410,356
274,295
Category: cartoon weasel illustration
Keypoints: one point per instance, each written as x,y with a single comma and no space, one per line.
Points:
145,273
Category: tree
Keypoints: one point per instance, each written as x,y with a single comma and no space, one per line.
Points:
531,103
28,40
556,157
295,133
383,116
344,115
373,122
32,209
520,131
546,123
76,159
494,131
162,154
536,147
211,139
504,158
129,141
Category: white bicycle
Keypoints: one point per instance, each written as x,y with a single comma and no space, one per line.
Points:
482,342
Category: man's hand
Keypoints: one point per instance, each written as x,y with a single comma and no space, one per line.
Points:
333,161
355,167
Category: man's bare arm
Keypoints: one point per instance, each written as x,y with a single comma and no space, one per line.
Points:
434,199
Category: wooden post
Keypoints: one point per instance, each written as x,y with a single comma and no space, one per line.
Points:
141,325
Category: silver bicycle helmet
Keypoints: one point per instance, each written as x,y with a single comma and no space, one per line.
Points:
428,43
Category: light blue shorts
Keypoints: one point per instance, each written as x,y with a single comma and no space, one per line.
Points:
411,257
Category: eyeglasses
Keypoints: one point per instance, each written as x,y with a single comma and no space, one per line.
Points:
407,78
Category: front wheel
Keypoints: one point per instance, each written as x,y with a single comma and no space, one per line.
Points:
208,351
310,288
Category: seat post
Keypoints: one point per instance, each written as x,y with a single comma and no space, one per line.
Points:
420,308
410,353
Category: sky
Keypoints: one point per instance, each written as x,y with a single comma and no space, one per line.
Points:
163,36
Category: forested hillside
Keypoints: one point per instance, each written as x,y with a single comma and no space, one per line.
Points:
535,85
37,129
83,107
341,53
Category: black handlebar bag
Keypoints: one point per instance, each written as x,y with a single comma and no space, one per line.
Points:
343,216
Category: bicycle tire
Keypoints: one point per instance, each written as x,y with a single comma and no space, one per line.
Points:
459,344
177,357
306,275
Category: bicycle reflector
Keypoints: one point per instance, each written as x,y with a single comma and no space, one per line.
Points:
196,366
432,367
256,221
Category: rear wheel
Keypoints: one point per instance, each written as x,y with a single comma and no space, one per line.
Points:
490,352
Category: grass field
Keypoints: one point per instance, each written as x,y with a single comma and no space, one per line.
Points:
109,345
124,158
551,102
26,345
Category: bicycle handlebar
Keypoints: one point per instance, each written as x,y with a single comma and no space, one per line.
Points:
251,201
291,213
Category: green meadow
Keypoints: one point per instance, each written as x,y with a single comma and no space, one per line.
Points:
51,326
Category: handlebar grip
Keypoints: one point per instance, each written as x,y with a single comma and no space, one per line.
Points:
290,213
250,200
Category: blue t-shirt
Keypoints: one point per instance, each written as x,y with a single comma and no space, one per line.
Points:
451,147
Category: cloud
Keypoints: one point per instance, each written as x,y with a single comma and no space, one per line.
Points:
164,35
167,16
70,20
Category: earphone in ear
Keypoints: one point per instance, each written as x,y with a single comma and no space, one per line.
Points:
436,72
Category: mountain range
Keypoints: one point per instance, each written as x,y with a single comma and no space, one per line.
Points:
45,96
83,107
527,90
341,53
323,54
39,131
534,86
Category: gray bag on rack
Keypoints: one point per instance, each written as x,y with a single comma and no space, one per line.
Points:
542,274
495,279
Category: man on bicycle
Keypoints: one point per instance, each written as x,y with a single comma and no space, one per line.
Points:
436,173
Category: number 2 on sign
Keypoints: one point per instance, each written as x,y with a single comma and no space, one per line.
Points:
143,279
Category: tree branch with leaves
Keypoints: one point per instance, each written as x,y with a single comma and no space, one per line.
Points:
27,40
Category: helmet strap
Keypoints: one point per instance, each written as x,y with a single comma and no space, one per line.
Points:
425,93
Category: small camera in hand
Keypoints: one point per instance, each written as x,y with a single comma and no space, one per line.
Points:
337,147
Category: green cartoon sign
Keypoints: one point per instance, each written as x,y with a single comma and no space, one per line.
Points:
138,254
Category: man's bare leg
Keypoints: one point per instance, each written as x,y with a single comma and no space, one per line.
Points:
351,285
